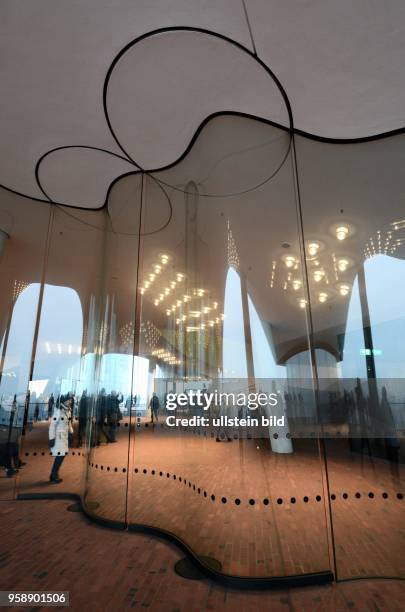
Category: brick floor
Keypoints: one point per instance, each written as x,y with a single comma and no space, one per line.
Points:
44,547
248,539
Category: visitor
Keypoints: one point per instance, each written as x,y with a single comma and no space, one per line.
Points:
59,430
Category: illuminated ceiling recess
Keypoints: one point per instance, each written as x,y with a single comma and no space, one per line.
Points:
56,56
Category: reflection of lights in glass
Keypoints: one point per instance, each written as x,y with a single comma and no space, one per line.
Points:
313,248
186,298
179,277
168,311
302,303
164,259
152,277
342,232
142,290
211,323
48,347
322,297
342,264
200,292
296,284
70,349
206,309
344,289
59,346
222,317
195,313
146,283
158,269
215,305
167,291
156,302
173,284
289,261
318,275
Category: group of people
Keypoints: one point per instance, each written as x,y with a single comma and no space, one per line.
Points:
102,413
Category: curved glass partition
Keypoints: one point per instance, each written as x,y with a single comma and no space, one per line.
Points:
356,280
216,317
215,359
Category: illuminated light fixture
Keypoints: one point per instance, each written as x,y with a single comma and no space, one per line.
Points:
195,313
215,305
158,269
180,277
318,275
211,323
164,259
200,292
342,232
313,248
173,308
146,283
217,320
342,264
152,277
167,291
142,290
206,309
161,296
168,312
177,321
296,284
302,303
222,317
186,298
290,261
322,297
156,302
178,303
173,284
344,289
184,317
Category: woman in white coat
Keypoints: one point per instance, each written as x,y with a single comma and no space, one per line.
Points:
59,430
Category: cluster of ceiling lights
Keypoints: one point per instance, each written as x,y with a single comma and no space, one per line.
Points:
18,288
166,356
317,273
385,243
157,269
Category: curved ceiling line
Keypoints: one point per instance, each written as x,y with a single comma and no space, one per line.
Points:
292,130
165,30
326,140
62,148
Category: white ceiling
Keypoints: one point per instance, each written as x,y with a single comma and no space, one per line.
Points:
341,64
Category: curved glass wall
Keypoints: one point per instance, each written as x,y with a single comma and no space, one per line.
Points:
200,279
352,204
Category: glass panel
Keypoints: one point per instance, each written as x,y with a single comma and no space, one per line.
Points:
24,226
110,359
352,198
72,279
223,309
